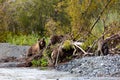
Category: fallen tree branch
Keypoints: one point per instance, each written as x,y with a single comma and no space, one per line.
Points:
80,48
56,63
36,56
98,40
113,37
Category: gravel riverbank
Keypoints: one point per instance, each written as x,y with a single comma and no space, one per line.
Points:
101,66
106,67
9,50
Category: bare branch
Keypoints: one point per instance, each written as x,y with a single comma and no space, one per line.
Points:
100,15
80,48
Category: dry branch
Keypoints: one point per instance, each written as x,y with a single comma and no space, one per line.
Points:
113,37
80,48
56,63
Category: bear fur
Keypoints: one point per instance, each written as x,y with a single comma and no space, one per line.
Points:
35,49
56,39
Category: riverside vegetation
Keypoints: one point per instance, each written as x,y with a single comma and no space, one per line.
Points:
24,21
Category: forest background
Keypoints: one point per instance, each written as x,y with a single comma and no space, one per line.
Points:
23,21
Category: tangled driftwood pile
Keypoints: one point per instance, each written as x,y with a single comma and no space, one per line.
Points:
58,52
110,45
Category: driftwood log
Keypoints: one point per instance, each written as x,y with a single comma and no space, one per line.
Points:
113,40
104,46
26,62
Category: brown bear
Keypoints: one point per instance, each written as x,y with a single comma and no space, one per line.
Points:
56,39
35,49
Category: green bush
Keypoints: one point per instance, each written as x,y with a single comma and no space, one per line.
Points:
22,39
3,35
88,42
41,62
67,45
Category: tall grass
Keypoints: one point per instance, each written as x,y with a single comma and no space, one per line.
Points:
22,39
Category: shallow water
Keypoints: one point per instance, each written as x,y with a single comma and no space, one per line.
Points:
31,74
37,74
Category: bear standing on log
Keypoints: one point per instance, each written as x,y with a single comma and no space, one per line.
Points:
35,49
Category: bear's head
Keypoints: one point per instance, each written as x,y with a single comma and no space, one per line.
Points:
42,43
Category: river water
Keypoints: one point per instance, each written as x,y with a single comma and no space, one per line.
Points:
31,74
37,74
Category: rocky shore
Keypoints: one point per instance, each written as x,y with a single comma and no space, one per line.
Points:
97,66
101,66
